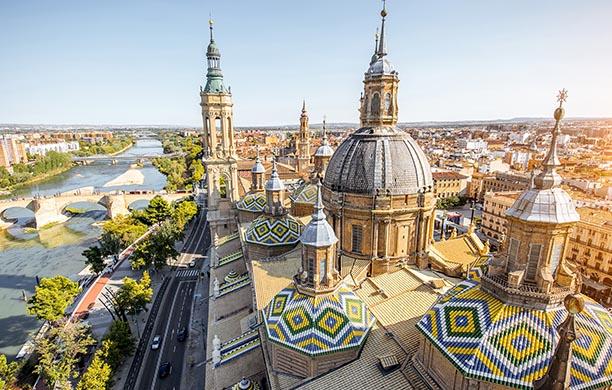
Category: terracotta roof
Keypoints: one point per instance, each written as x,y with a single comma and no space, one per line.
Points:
270,277
463,250
448,175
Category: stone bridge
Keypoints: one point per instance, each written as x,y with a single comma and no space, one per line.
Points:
52,209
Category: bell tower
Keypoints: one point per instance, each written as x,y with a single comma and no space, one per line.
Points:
303,144
219,145
379,98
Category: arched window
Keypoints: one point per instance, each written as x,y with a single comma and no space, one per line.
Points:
218,130
222,187
388,108
375,110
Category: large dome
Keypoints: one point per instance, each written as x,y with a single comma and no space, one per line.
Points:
381,157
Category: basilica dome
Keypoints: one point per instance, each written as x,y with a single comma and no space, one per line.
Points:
380,158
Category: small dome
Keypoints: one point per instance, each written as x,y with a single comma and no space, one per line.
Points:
552,205
381,66
253,202
213,50
316,325
274,183
379,158
258,167
324,151
274,230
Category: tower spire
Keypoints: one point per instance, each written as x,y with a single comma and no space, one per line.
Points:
210,26
382,50
548,177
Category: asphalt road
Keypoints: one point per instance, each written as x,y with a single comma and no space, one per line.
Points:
173,314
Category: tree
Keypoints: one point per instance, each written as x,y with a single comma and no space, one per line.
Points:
7,372
197,171
119,233
97,376
158,210
184,212
133,297
94,259
59,352
52,297
5,180
158,248
117,344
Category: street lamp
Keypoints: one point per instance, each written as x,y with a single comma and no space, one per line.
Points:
442,232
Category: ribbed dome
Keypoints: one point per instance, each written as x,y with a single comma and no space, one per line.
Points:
384,158
552,205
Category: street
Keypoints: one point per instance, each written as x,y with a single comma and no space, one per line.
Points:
173,313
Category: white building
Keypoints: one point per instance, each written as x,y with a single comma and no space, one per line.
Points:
472,144
62,147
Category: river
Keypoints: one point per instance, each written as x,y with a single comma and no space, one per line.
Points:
57,249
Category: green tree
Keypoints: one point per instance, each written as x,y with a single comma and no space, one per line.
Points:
97,376
158,248
7,372
94,259
119,233
158,210
5,180
197,171
117,344
52,297
184,212
133,296
59,352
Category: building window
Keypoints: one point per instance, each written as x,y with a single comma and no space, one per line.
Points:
322,268
222,187
375,110
357,233
513,249
534,260
388,104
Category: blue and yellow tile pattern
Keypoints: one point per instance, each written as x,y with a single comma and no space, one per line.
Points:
510,345
253,202
316,325
306,193
272,230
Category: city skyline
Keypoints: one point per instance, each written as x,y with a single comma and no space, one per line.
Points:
77,64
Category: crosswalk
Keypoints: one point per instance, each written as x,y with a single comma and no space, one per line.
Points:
187,273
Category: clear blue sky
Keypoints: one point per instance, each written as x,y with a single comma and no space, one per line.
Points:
142,61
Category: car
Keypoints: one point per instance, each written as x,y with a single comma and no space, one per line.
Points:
192,264
84,315
156,342
165,369
181,335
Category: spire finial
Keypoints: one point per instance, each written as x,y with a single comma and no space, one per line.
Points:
548,177
318,206
381,43
324,129
304,105
210,25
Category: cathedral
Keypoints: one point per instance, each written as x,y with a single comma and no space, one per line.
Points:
337,282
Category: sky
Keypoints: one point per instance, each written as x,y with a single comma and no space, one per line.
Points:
143,61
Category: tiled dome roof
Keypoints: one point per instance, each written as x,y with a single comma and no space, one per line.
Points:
552,205
305,193
253,202
383,158
271,230
489,340
315,325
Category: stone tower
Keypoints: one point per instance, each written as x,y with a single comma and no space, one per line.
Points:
303,143
219,145
539,223
379,99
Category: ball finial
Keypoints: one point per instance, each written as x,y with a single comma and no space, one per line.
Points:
383,13
574,303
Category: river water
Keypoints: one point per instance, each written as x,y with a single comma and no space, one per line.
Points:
54,250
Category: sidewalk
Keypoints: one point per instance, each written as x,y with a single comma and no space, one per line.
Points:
195,355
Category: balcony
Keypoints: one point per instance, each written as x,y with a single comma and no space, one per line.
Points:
527,295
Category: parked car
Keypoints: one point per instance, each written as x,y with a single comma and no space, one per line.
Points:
181,335
192,264
156,342
165,369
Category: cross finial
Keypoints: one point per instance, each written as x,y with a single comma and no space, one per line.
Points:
562,96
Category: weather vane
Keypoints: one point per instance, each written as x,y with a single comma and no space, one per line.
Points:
562,96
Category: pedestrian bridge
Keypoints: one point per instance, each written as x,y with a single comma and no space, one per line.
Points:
53,209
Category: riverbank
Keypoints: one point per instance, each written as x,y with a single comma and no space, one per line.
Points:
8,192
122,150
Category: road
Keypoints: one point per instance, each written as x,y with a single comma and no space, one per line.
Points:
173,314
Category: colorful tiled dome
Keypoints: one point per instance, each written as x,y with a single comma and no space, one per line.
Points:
305,193
511,345
274,230
253,202
316,325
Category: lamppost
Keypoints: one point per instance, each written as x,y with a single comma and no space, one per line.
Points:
472,207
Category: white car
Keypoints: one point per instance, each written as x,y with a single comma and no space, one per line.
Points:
156,342
192,264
